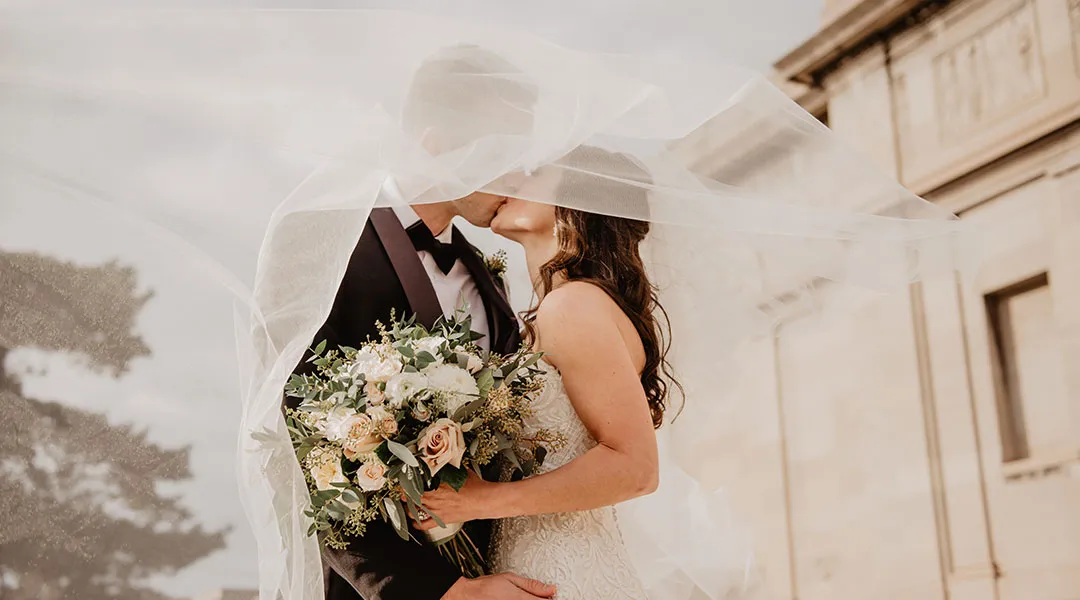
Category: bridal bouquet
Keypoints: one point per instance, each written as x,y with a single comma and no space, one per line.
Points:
380,424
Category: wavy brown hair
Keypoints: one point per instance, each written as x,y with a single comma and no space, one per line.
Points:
605,251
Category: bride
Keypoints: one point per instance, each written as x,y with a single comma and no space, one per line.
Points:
598,323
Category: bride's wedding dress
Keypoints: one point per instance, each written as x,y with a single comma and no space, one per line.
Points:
581,553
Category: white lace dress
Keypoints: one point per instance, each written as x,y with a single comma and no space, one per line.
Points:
581,553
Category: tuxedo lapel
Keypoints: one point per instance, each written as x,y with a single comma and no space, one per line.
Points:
501,320
410,271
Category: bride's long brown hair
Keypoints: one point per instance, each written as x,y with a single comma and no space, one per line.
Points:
605,251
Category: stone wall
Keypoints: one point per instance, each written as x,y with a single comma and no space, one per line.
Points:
928,446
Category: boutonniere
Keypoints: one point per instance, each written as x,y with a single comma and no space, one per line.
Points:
496,265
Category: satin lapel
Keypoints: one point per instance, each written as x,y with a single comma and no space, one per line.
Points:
410,271
501,319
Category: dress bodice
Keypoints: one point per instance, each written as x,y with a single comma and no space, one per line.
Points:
581,553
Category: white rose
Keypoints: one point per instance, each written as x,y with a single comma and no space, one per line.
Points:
338,422
365,360
404,386
327,472
456,384
371,476
431,345
374,367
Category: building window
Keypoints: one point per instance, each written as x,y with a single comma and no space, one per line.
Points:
1021,316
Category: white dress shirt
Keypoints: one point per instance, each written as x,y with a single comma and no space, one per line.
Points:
456,288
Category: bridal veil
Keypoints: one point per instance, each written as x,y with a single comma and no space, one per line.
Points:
249,145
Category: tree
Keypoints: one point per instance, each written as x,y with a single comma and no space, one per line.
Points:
83,516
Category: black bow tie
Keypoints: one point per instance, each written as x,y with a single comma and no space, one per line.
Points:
445,254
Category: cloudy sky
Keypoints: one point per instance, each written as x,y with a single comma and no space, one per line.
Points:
170,393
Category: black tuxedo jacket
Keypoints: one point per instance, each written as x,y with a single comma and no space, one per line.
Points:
385,274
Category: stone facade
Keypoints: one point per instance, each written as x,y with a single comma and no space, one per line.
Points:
928,446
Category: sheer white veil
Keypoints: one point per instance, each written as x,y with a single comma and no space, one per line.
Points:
272,131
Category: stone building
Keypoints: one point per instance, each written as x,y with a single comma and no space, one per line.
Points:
928,446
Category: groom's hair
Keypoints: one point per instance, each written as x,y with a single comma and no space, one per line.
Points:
461,94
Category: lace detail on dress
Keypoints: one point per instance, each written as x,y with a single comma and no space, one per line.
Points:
581,553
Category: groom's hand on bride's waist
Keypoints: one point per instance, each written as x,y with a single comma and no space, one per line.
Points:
504,586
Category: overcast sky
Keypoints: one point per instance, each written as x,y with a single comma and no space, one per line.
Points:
190,339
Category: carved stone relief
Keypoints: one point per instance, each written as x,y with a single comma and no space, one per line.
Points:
991,74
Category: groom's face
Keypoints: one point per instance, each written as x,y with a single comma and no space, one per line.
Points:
479,208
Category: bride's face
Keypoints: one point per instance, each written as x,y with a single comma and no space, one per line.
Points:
523,215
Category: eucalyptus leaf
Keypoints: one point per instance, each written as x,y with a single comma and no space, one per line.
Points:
393,472
397,517
466,411
403,453
511,457
462,360
412,491
485,381
412,508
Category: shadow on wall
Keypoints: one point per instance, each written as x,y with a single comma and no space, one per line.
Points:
83,513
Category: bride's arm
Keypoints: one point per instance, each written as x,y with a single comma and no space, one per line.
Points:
578,330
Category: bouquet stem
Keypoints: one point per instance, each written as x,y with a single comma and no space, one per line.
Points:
459,550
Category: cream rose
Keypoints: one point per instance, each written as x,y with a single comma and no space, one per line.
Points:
362,438
442,443
388,427
371,476
375,395
327,472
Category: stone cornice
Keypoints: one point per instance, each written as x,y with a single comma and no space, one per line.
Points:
848,34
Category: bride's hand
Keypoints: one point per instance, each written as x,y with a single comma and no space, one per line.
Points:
472,502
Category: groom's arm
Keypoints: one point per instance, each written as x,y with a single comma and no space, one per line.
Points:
379,565
382,566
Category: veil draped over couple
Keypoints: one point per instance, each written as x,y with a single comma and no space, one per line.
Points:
667,212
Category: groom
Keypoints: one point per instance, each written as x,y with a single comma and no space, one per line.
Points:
411,260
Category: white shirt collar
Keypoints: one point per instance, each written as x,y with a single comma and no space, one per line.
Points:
407,215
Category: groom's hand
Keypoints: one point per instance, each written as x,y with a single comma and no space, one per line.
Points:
504,586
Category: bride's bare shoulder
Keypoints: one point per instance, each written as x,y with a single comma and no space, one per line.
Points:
575,315
575,301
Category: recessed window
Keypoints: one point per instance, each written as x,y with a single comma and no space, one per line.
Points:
1021,323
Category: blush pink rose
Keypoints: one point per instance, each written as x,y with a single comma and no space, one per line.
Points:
441,444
